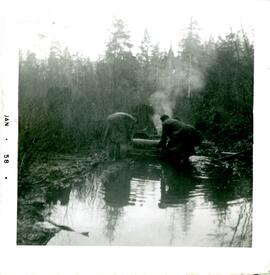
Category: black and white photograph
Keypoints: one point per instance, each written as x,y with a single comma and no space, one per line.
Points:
136,133
135,124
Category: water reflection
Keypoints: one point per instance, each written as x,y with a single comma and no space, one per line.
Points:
116,196
176,191
176,186
117,191
58,196
148,203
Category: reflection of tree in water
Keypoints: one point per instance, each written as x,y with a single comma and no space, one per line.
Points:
235,232
118,192
242,230
116,196
89,192
58,195
219,190
222,188
176,187
112,218
142,169
88,188
224,192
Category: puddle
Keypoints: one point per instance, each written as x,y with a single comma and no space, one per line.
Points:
145,203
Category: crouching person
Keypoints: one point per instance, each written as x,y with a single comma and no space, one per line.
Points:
178,140
118,135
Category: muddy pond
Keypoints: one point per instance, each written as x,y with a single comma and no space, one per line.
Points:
147,203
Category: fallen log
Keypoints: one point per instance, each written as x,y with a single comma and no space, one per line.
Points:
66,228
145,147
145,143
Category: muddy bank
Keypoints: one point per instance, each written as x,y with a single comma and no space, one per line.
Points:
49,182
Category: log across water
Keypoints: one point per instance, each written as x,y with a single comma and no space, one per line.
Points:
145,147
145,143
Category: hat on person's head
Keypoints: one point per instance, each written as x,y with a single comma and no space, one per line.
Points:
164,117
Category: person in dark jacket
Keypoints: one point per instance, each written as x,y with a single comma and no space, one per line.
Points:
178,140
118,135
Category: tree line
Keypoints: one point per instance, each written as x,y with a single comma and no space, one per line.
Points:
64,99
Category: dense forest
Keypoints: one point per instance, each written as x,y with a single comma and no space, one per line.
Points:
64,99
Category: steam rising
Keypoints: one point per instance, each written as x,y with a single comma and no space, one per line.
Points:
162,104
175,82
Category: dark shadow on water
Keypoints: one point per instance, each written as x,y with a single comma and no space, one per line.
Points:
56,195
176,185
117,191
223,188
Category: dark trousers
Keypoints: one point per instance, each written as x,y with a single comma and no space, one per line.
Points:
178,150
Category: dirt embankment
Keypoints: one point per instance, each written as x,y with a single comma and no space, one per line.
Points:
44,183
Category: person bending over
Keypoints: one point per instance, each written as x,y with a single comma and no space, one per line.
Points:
118,134
178,140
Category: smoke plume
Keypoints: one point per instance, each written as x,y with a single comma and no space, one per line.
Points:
162,104
175,83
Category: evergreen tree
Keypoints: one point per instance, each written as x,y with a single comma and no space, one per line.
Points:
145,86
190,53
122,67
119,43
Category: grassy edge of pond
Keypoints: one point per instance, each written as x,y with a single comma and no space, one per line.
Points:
50,173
